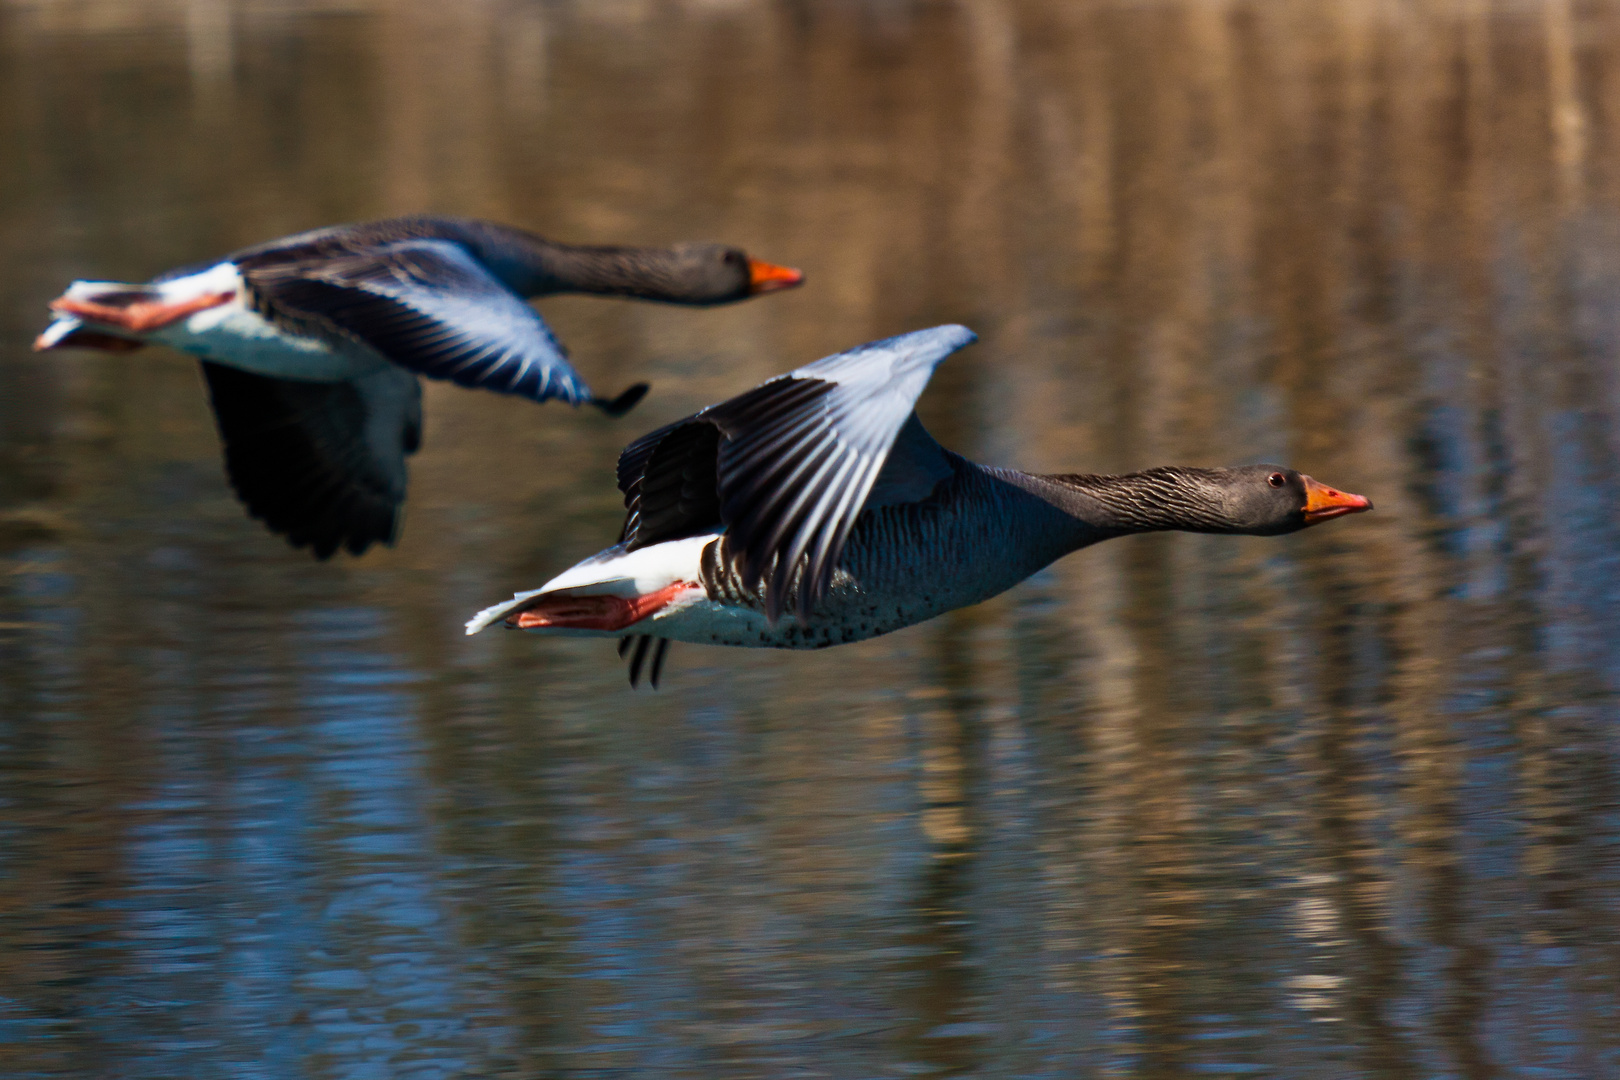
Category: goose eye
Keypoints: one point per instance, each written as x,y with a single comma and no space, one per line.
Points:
1277,479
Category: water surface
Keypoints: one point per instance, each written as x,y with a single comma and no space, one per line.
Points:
1342,804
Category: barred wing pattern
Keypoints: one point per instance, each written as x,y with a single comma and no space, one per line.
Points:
793,461
428,306
669,483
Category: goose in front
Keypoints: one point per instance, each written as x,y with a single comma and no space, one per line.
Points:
815,510
312,344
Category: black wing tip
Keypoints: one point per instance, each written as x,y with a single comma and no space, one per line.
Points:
617,407
778,606
355,545
324,528
354,537
353,529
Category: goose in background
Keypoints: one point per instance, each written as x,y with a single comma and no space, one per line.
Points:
815,510
311,346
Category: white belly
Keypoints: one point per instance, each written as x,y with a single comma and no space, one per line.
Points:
847,614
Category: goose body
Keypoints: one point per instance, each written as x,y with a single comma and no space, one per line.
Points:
816,510
312,346
903,564
229,328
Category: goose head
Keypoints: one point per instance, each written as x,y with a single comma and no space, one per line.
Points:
1257,500
1270,500
718,274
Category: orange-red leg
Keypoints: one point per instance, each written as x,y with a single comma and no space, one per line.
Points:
608,613
143,315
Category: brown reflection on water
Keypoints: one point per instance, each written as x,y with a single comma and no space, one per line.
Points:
1340,804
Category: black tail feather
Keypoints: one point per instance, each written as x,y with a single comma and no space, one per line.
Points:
624,402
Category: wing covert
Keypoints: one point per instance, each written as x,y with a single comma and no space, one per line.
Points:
793,462
427,305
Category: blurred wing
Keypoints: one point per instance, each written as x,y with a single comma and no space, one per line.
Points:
321,463
786,467
425,304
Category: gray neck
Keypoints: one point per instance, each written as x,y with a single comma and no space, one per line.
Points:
1157,500
531,265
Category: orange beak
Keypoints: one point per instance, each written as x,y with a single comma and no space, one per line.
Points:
763,277
1323,502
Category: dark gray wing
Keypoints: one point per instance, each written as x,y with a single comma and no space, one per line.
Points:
670,484
424,303
786,467
321,463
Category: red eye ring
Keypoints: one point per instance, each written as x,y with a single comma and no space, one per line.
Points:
1277,479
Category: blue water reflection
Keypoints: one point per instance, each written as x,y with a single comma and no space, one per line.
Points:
286,914
1344,804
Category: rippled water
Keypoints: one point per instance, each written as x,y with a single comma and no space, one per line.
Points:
1343,804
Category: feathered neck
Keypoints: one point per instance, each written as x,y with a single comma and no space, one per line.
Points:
531,265
1155,500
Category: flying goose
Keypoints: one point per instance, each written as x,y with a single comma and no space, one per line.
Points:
815,510
311,346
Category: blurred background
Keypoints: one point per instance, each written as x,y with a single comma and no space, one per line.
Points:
1343,804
